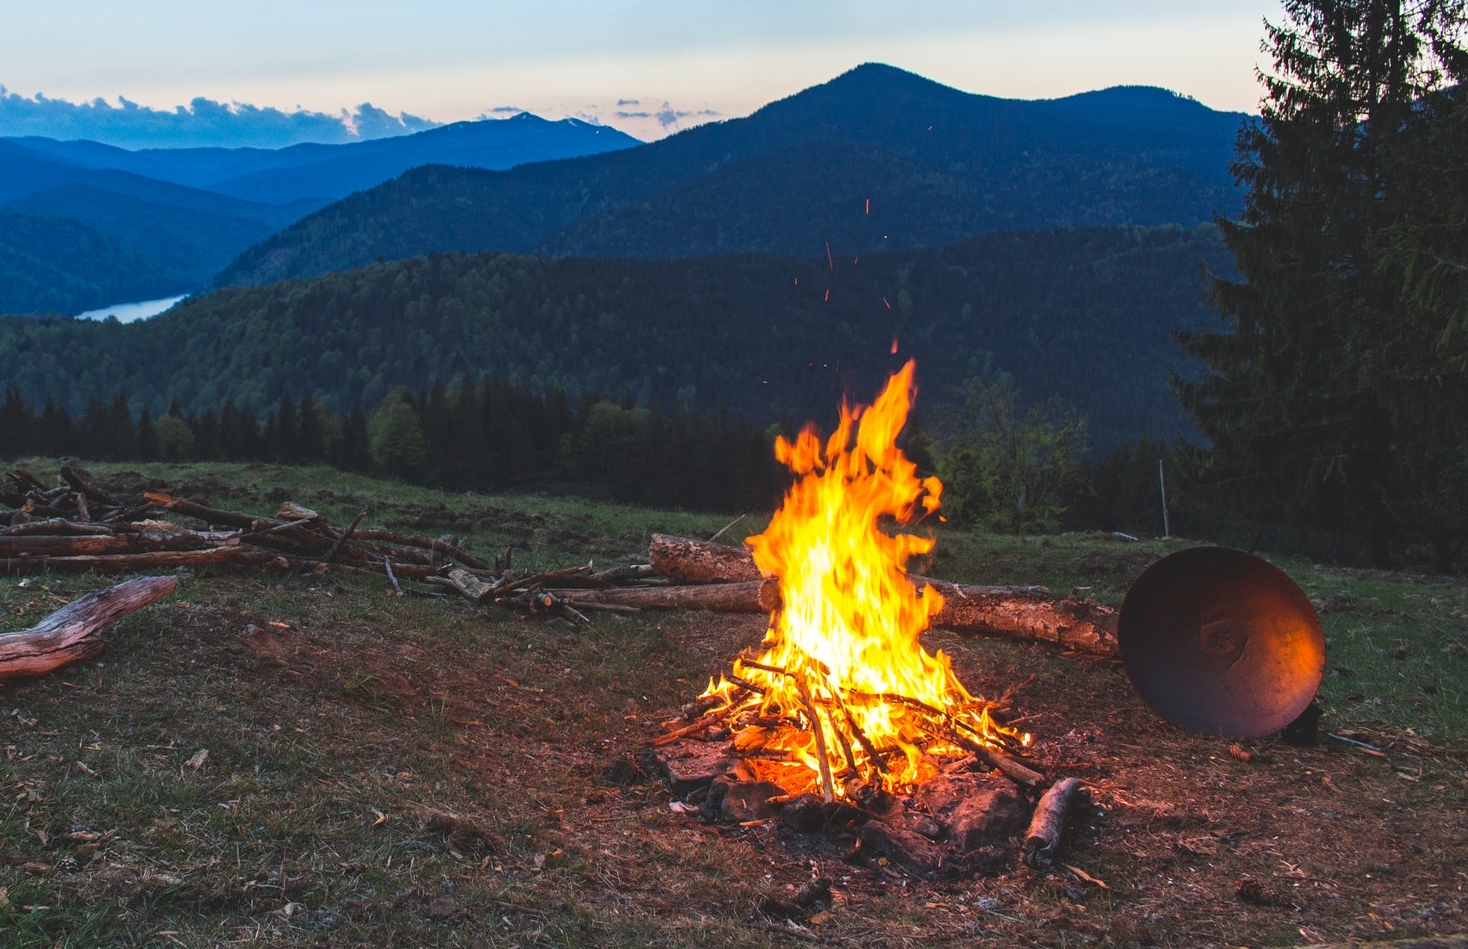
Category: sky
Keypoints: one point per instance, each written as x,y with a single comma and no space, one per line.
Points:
648,67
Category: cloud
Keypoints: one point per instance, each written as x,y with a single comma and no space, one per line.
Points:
625,102
506,110
203,122
668,117
633,115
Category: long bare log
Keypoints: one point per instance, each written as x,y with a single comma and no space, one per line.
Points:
743,597
20,545
142,560
72,633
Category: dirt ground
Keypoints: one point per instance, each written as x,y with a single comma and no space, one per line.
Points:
314,762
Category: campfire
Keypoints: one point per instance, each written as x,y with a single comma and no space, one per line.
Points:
843,699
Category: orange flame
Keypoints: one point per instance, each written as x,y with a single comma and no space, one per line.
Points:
843,687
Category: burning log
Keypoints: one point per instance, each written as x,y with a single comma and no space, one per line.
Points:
1031,612
72,633
1043,839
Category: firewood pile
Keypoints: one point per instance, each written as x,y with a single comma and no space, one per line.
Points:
77,526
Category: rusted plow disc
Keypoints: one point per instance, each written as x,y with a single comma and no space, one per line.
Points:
1220,642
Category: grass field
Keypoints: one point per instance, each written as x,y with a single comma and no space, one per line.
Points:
274,759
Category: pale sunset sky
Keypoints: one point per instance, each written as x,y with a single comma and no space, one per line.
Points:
648,67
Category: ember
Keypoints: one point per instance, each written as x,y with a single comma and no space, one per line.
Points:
843,697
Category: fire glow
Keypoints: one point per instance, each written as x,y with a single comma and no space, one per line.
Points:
843,696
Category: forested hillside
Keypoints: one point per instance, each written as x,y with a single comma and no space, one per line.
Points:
1083,315
875,159
163,221
52,264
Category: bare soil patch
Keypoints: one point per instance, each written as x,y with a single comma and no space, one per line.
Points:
385,770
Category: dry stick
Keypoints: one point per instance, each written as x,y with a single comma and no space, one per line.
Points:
828,787
634,571
866,743
539,579
708,719
20,474
861,736
1012,769
135,561
607,607
438,546
78,483
336,547
567,609
725,529
387,562
1043,838
278,527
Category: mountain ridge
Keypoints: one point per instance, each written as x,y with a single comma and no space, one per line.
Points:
182,224
1112,157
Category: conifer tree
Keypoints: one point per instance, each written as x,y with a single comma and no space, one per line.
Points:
1293,400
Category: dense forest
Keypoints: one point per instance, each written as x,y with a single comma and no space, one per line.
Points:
1084,316
877,158
1017,469
482,434
55,264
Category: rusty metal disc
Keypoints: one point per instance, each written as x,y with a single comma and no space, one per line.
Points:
1221,642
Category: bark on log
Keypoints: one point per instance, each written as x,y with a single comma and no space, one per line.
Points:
1027,613
1043,838
72,633
19,545
750,596
211,515
143,560
1032,613
697,561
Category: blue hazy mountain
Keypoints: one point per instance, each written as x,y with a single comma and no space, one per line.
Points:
182,214
313,171
875,159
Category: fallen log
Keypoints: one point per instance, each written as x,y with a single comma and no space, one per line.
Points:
697,561
1032,613
1043,838
71,545
1027,613
72,633
750,596
142,560
211,515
